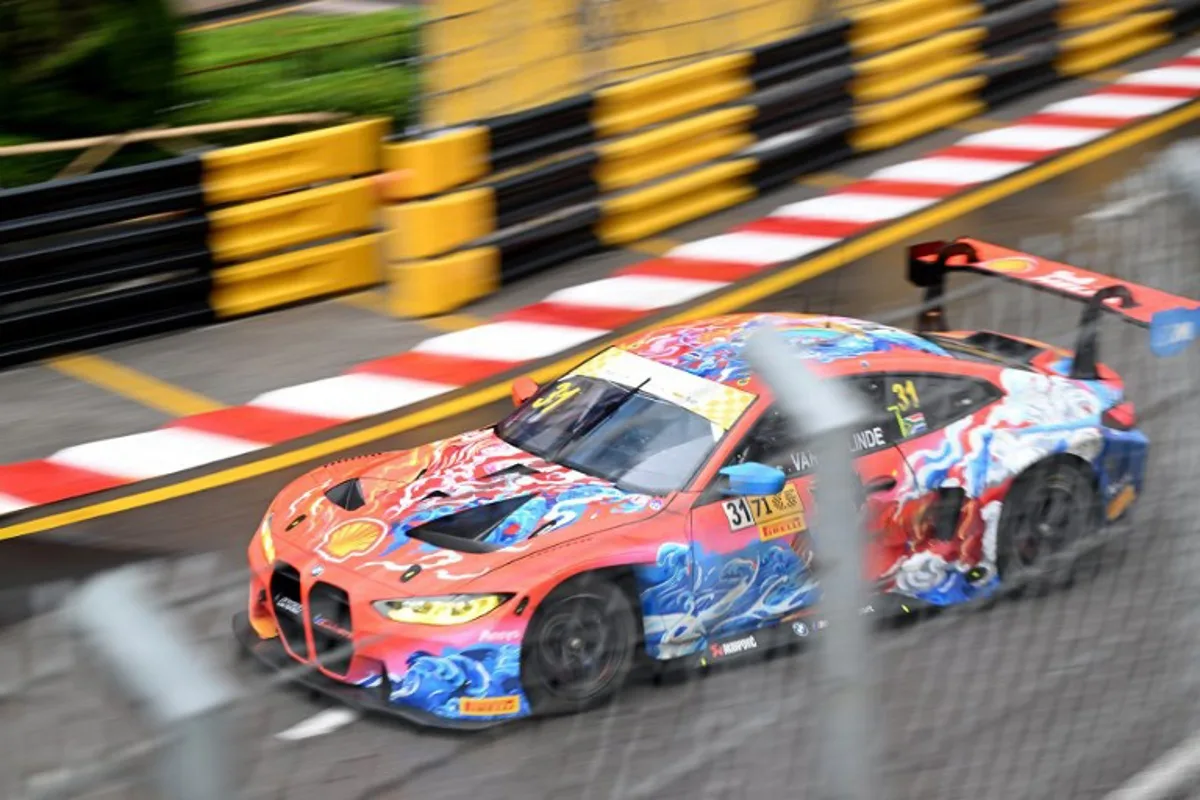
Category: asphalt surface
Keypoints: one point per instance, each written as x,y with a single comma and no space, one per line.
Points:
1064,695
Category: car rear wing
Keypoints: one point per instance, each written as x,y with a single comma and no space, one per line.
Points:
1173,321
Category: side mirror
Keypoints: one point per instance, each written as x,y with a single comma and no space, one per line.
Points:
523,388
753,479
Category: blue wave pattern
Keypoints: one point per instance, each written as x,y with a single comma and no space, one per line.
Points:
437,682
825,339
721,594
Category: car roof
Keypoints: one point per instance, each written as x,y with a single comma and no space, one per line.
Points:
711,348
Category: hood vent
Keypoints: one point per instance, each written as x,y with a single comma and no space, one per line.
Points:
515,469
347,495
466,530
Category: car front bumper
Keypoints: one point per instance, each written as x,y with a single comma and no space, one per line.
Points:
271,654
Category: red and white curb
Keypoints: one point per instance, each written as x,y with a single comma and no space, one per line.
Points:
579,314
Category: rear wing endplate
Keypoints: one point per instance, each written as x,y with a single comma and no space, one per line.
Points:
1174,322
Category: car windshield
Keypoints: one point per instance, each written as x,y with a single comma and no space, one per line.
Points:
621,433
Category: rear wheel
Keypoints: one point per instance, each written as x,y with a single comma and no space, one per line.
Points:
1049,511
580,647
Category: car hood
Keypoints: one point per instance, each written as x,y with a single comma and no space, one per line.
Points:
448,511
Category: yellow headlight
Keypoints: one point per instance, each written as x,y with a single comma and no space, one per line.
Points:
450,610
264,537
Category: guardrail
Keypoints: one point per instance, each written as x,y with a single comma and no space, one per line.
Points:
137,251
91,260
479,206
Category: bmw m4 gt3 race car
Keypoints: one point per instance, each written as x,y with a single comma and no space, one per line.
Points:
653,503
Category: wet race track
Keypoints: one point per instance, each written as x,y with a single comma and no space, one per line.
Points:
1064,695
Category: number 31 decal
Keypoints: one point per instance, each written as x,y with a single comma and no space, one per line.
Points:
561,393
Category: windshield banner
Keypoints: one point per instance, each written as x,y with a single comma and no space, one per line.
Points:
719,404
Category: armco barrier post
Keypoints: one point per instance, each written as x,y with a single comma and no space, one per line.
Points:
187,701
826,414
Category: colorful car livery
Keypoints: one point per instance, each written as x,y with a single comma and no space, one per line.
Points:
653,502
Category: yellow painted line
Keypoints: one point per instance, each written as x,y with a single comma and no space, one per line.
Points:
448,323
736,298
979,125
133,385
826,180
659,246
227,23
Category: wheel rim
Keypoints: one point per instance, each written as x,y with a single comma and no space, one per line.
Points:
1050,519
578,653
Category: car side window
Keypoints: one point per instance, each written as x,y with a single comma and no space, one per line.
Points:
772,442
922,403
880,430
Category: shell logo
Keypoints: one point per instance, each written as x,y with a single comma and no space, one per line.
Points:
1010,265
355,538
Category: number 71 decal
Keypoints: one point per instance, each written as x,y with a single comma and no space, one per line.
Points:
775,516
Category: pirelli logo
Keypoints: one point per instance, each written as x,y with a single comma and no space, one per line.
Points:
488,706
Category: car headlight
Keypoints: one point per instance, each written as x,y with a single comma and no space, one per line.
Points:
265,539
449,610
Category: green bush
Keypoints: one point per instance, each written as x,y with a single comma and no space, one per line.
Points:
72,69
286,65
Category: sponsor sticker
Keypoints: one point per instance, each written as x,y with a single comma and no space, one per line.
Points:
733,647
355,538
775,516
331,627
1068,282
1121,503
1173,330
488,706
1010,265
288,605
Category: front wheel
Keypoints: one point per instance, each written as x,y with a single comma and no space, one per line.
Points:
580,647
1047,513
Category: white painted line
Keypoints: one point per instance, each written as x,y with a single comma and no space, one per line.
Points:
1124,208
1175,771
634,291
509,341
319,724
1034,137
1186,77
9,504
752,248
854,207
1124,106
946,169
351,396
154,453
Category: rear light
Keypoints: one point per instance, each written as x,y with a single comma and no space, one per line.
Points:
1121,418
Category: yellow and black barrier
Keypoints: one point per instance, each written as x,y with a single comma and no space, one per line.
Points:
661,151
450,216
295,218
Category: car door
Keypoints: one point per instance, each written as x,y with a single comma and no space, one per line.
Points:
888,482
941,512
752,555
754,558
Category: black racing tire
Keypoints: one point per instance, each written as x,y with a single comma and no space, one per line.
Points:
1050,509
580,648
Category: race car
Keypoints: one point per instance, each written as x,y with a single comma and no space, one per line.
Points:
653,503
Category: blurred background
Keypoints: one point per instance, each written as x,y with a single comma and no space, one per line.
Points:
202,202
